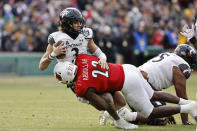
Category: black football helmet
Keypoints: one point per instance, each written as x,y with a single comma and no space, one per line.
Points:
188,53
68,16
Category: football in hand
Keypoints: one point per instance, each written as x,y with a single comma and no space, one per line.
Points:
61,56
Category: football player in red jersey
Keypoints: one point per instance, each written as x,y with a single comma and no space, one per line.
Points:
89,80
73,39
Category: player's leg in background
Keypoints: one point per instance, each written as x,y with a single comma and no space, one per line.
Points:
167,97
186,106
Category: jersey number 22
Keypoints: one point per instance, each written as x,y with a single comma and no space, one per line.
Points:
95,73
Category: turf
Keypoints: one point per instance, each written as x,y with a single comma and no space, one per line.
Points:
42,104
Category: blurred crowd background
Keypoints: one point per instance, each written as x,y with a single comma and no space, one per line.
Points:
123,29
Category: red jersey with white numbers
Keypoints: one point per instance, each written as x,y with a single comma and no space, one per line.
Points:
90,74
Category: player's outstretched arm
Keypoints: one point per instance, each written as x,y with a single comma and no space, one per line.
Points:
45,60
179,82
98,53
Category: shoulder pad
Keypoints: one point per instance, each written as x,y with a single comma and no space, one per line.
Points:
51,39
87,33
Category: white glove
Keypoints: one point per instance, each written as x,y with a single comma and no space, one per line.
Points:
184,101
187,32
103,64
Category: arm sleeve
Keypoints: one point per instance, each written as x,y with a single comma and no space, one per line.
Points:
185,69
98,53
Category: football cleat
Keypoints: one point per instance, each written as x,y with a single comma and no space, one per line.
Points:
122,124
103,118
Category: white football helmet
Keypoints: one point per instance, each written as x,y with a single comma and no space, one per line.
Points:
65,72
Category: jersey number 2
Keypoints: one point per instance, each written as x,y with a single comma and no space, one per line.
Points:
95,73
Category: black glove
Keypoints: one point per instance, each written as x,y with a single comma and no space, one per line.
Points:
171,120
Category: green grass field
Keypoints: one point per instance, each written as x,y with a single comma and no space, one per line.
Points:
42,104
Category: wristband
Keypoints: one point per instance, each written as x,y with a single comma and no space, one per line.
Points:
98,53
51,56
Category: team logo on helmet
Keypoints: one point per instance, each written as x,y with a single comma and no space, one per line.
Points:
68,16
65,72
188,53
64,12
58,76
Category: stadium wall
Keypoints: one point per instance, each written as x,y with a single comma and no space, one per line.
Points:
23,64
27,64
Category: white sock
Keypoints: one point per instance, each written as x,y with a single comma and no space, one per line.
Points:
184,101
183,109
127,114
188,107
131,116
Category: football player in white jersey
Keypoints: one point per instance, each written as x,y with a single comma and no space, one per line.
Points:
163,71
74,39
169,69
71,40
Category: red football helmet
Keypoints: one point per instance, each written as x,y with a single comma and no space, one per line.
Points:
65,72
